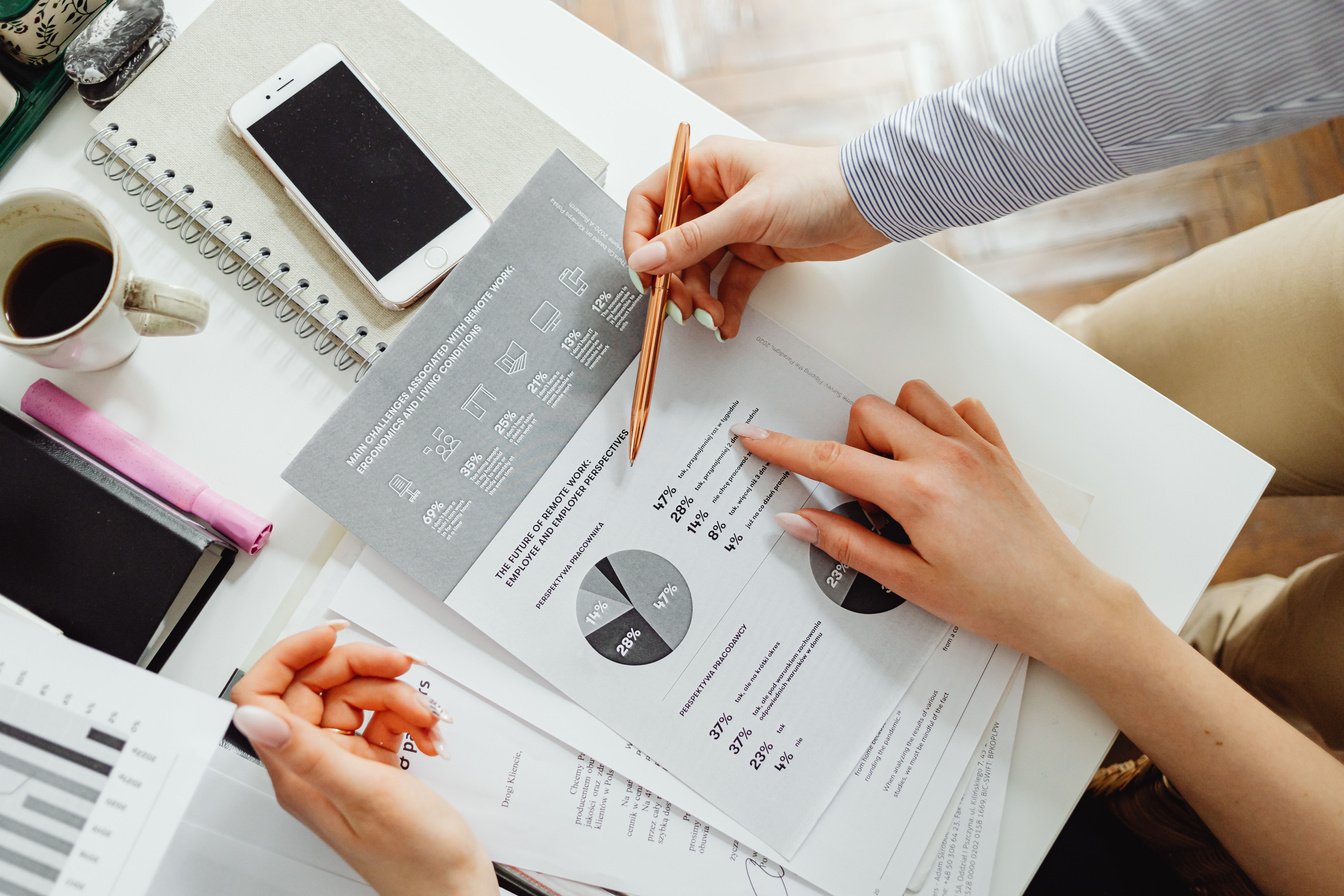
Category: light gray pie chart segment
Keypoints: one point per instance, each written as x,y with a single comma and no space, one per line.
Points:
650,580
594,591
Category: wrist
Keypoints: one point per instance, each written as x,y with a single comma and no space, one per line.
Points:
461,868
470,874
1113,628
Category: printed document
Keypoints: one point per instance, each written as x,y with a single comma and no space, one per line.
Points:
535,803
98,761
891,804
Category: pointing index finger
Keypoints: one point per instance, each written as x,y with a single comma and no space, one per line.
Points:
851,470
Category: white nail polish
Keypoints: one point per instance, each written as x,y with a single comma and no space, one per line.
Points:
263,728
440,747
800,527
434,708
648,256
748,431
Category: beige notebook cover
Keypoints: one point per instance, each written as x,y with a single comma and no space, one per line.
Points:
491,138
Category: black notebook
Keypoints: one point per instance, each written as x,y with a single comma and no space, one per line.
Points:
110,565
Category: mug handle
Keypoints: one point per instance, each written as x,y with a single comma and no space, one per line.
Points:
161,309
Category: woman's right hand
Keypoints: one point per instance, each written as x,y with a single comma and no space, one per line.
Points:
765,203
303,706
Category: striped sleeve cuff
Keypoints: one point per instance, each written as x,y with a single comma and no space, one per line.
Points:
1159,84
979,150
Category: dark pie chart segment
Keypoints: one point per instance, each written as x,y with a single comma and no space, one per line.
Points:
634,607
847,588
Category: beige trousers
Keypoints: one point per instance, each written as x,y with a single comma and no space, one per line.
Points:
1248,335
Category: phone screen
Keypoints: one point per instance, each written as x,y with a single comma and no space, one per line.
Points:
369,181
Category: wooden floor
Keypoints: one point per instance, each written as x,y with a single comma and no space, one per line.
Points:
817,73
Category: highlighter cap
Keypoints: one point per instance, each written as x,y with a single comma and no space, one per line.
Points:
240,525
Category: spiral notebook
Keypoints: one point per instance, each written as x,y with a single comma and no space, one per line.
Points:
167,142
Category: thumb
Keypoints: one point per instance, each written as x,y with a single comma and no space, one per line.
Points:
300,749
693,241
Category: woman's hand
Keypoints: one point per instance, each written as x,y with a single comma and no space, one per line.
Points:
984,553
299,706
765,203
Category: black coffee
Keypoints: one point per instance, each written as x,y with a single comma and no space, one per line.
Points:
55,286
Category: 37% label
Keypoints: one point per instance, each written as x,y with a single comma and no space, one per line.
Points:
741,741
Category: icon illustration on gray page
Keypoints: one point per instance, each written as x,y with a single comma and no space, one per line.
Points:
473,404
514,360
574,282
404,488
547,317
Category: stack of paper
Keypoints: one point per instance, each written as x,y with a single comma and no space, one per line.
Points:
949,739
540,803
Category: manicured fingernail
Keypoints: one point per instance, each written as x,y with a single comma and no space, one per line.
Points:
798,526
718,335
634,278
675,313
748,431
435,709
648,256
416,661
705,319
440,747
263,728
339,625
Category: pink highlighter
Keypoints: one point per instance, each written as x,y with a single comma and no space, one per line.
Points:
49,404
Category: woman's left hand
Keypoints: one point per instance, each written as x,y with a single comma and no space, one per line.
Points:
301,706
984,552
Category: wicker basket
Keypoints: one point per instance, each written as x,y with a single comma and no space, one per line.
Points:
1145,802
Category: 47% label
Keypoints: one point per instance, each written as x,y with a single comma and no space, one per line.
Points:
697,522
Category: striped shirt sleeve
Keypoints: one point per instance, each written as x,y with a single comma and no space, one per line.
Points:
1129,86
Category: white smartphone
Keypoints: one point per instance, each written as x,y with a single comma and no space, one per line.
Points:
361,174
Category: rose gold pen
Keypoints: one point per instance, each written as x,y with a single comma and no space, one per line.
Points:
673,196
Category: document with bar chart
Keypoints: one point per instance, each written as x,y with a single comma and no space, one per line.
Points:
98,760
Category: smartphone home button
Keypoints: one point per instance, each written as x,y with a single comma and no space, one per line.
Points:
435,257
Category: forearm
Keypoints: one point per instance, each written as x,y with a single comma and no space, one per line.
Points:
1273,798
1130,86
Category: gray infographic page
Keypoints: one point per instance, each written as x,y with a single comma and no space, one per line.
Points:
455,424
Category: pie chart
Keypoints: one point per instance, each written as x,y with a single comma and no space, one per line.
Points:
634,607
852,591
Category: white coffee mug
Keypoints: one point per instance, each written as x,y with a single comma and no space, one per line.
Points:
130,306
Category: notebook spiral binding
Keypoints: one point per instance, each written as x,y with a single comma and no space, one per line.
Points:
197,225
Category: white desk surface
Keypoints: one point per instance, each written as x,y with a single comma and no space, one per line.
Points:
237,402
